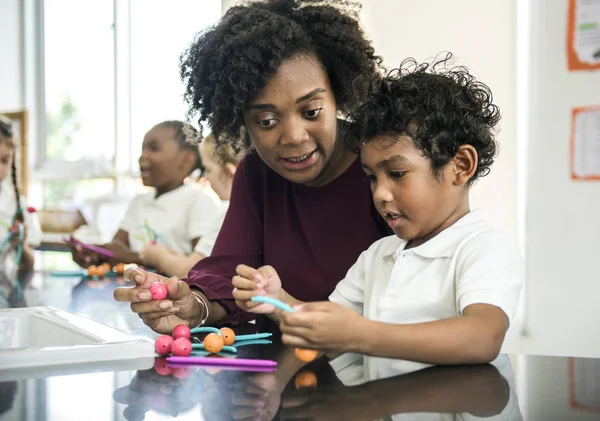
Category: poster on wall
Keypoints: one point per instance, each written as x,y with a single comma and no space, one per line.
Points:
585,143
583,35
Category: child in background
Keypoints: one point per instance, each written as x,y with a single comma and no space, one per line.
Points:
176,214
14,211
445,287
219,168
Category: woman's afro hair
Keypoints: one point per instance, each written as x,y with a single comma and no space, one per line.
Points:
228,64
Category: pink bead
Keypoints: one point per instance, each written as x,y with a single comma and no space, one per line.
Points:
182,347
181,331
163,344
158,291
162,367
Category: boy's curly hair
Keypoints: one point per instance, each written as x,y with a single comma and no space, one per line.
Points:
229,64
439,106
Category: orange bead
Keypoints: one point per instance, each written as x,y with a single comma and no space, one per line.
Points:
306,355
91,270
305,379
106,266
228,336
119,268
100,271
213,343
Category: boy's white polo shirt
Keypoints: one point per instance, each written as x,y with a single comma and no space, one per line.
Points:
178,216
467,263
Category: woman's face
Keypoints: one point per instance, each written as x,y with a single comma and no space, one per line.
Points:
292,122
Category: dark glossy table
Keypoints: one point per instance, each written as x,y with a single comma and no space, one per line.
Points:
513,388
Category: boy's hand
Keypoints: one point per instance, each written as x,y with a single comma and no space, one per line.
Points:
324,326
250,282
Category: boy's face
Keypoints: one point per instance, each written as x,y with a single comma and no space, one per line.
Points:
416,204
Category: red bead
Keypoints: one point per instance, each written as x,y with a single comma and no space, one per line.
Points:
181,347
163,345
181,331
31,209
158,291
162,367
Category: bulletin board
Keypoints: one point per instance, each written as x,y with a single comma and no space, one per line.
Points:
585,143
583,35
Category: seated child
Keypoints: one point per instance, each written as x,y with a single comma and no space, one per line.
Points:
219,168
445,287
176,214
14,213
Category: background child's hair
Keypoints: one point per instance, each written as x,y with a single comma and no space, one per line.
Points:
225,154
439,106
186,136
229,64
6,138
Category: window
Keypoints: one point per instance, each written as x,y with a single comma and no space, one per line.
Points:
109,75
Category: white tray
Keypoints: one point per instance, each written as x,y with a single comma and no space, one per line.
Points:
44,337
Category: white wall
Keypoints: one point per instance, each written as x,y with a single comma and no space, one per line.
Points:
562,222
11,45
484,40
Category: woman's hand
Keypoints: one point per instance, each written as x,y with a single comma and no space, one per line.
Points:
324,326
250,282
180,306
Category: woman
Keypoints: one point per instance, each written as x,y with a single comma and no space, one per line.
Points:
276,74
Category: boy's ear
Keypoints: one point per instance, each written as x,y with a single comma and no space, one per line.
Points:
465,164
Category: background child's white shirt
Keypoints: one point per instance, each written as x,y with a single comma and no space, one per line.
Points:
207,242
179,216
468,263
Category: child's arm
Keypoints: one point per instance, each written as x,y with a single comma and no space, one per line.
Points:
168,261
120,246
475,337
